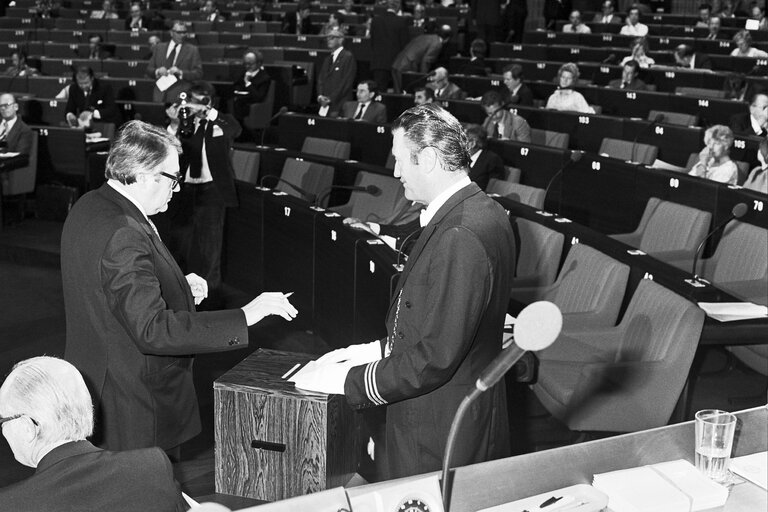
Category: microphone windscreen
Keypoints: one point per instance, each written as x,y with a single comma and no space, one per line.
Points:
576,156
659,118
739,210
538,325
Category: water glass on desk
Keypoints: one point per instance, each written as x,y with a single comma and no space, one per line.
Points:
714,438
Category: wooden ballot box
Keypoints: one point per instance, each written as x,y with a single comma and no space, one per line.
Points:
274,441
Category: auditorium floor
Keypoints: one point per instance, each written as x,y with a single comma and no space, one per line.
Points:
32,323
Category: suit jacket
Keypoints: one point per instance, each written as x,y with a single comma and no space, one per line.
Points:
132,328
452,297
420,54
615,18
256,92
635,85
450,92
488,165
741,124
220,134
79,476
336,80
101,98
514,127
701,61
289,24
524,96
144,22
19,138
389,35
375,113
188,62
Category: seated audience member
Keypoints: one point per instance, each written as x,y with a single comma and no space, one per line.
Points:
705,13
726,9
365,108
519,93
297,22
255,14
444,88
633,27
476,65
336,77
136,19
19,66
485,164
754,122
96,48
15,135
347,8
714,28
735,88
211,11
107,12
743,41
714,162
607,14
90,99
252,86
757,13
758,177
565,97
419,15
502,124
639,54
629,78
46,415
685,57
422,95
47,8
152,41
576,25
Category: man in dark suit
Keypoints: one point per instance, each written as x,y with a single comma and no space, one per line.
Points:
336,77
132,328
629,80
607,14
15,135
136,19
446,319
754,122
46,413
177,58
419,55
90,99
443,87
97,50
519,93
252,86
476,65
365,108
685,57
485,164
389,35
297,22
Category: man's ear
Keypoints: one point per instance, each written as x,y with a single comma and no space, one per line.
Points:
428,159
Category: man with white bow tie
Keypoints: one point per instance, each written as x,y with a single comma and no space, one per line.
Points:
336,77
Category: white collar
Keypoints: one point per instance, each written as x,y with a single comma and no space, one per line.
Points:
755,125
120,190
336,52
474,157
440,200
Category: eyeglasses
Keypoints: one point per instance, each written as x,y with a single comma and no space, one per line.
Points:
179,31
177,179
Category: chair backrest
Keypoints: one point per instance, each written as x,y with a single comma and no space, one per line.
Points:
512,174
531,196
246,165
676,118
700,92
107,130
540,251
741,254
590,282
260,114
627,150
67,149
326,147
373,208
309,176
673,227
549,138
22,180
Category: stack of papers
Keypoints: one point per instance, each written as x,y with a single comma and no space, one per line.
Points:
729,311
752,467
665,487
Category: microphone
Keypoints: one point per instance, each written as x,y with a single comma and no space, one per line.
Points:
280,112
308,196
574,157
369,189
656,120
737,212
536,327
609,59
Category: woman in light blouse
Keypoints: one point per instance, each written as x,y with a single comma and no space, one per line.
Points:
639,54
565,97
743,40
714,163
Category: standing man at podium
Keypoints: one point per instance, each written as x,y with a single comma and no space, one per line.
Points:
446,319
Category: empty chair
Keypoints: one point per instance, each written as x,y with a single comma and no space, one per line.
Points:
311,177
531,196
326,147
668,231
260,114
372,207
21,181
512,174
624,378
629,151
549,138
677,118
588,290
539,256
246,165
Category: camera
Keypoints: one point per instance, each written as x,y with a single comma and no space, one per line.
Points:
186,117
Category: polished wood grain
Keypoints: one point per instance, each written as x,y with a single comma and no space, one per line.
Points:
305,442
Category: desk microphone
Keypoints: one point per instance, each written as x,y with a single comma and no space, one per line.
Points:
737,212
368,189
280,112
307,196
536,327
574,157
656,120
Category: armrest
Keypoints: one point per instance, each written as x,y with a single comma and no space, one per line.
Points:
631,239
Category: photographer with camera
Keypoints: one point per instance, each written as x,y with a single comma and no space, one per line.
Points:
197,217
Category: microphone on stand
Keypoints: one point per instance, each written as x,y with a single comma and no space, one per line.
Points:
656,120
536,327
280,112
737,212
307,196
368,189
574,157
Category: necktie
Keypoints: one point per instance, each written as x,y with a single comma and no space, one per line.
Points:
3,131
171,60
359,114
196,155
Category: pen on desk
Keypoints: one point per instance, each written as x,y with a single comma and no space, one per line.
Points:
550,501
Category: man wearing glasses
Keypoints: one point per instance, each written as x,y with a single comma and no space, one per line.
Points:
176,59
336,77
15,135
132,328
46,415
